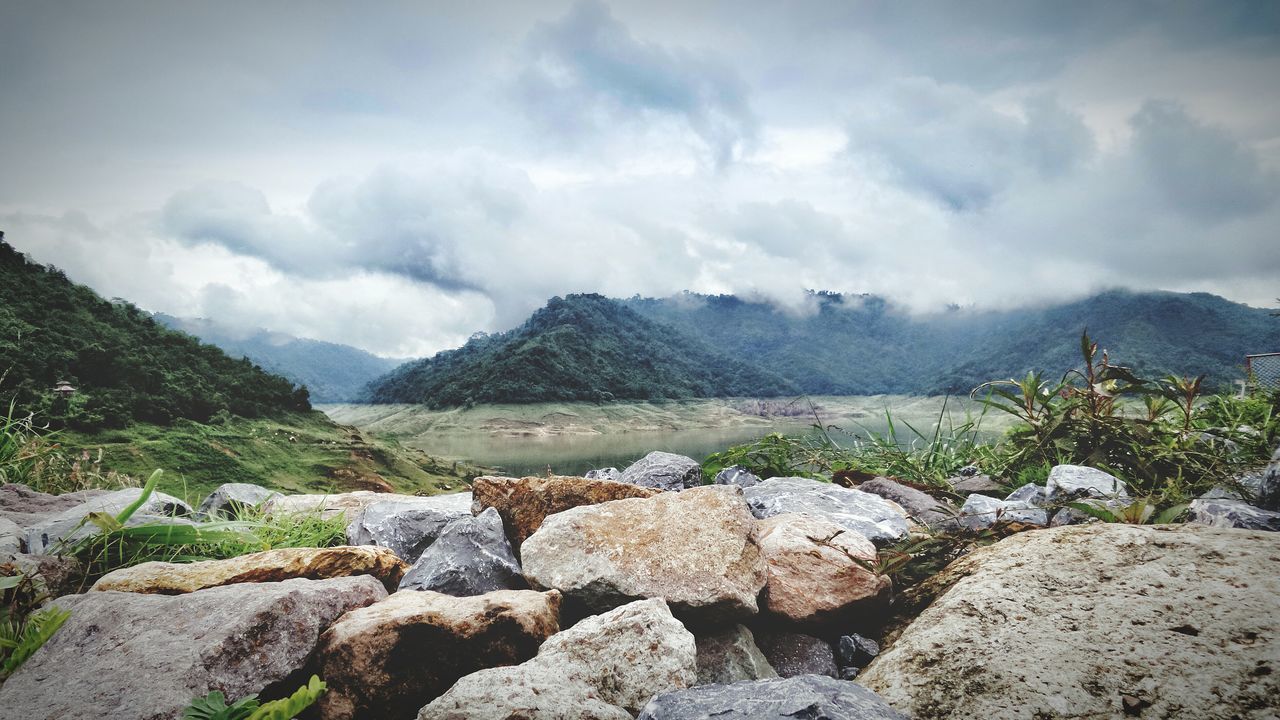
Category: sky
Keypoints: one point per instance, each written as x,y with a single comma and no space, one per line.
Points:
398,176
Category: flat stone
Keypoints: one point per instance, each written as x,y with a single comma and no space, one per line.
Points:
920,506
128,656
804,696
66,526
329,505
1068,622
164,578
736,475
664,471
604,668
406,524
976,485
1067,481
871,516
696,549
730,655
815,573
1226,513
228,499
391,658
525,502
794,654
471,557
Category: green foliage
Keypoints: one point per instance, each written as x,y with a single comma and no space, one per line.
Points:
126,366
1142,511
580,347
21,637
32,456
214,705
776,455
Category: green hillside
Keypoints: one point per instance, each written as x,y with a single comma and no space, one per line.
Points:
579,347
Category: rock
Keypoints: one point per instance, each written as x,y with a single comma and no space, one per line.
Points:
609,473
66,526
805,696
1268,494
471,557
407,525
976,485
696,549
792,654
162,578
127,656
855,651
330,505
980,512
10,538
26,507
731,655
524,503
1068,481
1031,494
664,471
604,668
814,573
921,506
229,499
1227,513
1067,622
391,658
51,576
871,516
736,475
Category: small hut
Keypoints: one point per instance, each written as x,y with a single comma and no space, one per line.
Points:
63,389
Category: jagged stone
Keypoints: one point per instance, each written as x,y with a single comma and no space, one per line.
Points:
407,525
1227,513
695,549
391,658
609,473
229,499
736,475
871,516
604,668
921,506
1068,481
471,557
855,651
164,578
816,570
981,511
128,656
731,655
793,654
664,471
1031,493
67,526
976,484
805,696
525,502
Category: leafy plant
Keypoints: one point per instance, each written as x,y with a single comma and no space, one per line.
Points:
21,637
214,705
1142,511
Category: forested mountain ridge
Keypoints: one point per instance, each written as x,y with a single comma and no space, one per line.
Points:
577,347
331,372
126,366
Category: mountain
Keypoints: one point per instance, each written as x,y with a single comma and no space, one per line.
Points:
579,347
331,372
859,345
126,366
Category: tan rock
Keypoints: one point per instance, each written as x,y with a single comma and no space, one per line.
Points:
525,502
695,549
393,657
161,578
330,505
814,571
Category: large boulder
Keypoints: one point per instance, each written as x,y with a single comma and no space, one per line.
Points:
471,557
794,654
162,578
983,511
664,471
525,502
408,525
69,525
871,516
229,499
329,505
26,507
1096,620
127,656
921,506
817,570
10,538
1227,513
604,668
1074,481
804,696
391,658
696,549
731,655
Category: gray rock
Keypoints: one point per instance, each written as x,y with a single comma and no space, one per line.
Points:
604,668
792,654
609,473
1227,513
407,525
849,673
228,499
731,655
976,484
51,576
980,512
806,696
855,651
66,525
27,507
1268,493
10,538
663,470
129,656
1030,493
921,506
1068,481
736,475
1072,516
869,515
472,556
